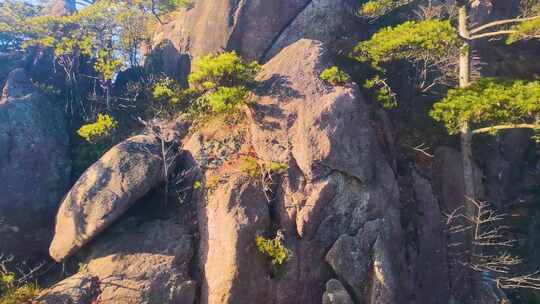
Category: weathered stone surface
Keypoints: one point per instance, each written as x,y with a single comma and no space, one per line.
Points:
337,18
351,257
133,263
34,167
256,29
230,218
336,294
105,191
338,180
430,255
245,26
81,288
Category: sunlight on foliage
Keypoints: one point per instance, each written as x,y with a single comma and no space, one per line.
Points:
273,249
10,293
524,30
218,84
256,168
334,76
382,92
378,8
103,127
489,101
410,40
226,70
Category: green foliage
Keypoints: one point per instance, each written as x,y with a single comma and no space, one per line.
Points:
334,76
222,70
12,17
524,30
273,249
101,128
489,101
411,40
378,8
12,293
256,168
382,92
20,295
226,99
219,84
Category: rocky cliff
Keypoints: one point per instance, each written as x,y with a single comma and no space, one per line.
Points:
173,216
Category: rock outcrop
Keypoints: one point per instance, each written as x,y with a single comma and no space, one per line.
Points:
336,294
256,29
34,167
105,191
134,263
232,269
336,184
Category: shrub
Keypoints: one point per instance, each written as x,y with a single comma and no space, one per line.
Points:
218,84
222,70
11,293
273,249
103,127
226,99
334,76
255,168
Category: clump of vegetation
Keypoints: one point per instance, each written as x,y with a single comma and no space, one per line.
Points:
493,103
219,84
12,292
335,76
273,249
411,40
377,8
257,169
97,137
101,128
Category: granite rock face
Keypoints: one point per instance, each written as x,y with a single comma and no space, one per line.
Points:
133,263
337,184
105,191
34,167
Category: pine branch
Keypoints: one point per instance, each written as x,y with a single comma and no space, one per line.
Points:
506,127
501,22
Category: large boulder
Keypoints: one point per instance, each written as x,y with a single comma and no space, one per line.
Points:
337,182
230,219
135,262
105,191
336,294
34,167
256,29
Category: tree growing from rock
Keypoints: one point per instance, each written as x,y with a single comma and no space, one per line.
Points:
440,46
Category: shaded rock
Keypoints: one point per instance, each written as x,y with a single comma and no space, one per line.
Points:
105,191
230,219
430,268
81,288
448,179
352,259
134,263
34,167
336,294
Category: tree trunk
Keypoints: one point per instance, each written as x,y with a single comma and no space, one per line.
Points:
466,143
